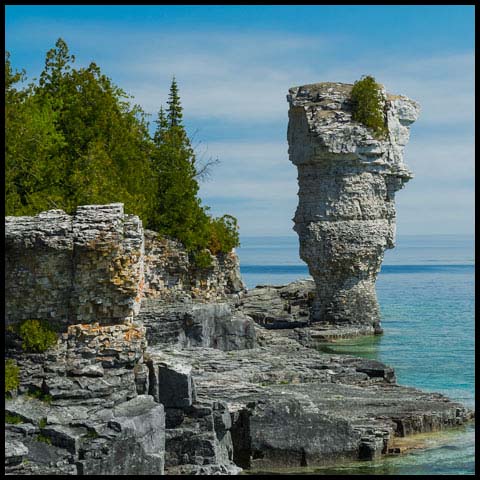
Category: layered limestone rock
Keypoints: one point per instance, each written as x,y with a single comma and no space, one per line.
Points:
171,275
90,403
292,406
81,268
96,266
347,179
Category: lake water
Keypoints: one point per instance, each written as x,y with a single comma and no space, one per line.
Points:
426,295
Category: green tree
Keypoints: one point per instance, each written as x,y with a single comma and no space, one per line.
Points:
33,175
75,139
105,156
174,106
367,105
178,211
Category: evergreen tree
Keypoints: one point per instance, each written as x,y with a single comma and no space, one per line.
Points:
33,176
174,107
178,211
162,127
75,139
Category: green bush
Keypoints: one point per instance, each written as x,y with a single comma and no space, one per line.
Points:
202,259
12,372
13,419
367,105
223,234
37,336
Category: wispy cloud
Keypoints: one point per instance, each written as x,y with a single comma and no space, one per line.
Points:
240,79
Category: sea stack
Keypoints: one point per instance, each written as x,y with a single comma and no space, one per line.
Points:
347,180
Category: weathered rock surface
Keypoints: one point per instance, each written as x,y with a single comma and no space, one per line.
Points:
193,324
90,404
80,407
83,268
280,307
96,265
347,179
171,276
292,406
127,439
179,385
287,309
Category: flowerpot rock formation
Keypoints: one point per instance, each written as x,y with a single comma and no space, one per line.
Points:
347,179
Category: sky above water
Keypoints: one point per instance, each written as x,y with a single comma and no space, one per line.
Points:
234,66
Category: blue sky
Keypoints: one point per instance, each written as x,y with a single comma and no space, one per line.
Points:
234,66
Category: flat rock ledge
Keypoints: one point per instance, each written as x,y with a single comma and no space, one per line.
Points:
292,406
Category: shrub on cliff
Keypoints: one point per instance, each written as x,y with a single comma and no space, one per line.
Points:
12,372
224,234
37,336
367,105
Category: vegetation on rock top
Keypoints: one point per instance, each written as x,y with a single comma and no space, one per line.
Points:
367,105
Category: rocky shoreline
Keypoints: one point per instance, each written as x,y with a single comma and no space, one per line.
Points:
210,401
160,367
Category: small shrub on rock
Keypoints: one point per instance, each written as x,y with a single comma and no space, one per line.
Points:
13,419
12,372
224,234
367,105
202,259
37,336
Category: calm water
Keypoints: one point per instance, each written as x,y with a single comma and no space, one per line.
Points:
426,295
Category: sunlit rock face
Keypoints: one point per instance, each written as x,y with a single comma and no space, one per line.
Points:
80,268
347,180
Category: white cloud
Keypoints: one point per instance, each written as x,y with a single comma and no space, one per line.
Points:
242,78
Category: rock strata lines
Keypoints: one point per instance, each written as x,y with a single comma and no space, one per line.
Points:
347,179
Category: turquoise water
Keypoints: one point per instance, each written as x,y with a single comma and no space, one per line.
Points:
426,296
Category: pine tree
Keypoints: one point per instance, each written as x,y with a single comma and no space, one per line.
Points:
178,211
174,107
162,127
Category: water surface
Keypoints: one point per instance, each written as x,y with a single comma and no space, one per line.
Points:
426,295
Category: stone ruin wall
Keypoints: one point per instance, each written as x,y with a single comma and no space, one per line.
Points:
347,179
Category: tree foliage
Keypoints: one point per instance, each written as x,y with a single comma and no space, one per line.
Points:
75,138
178,211
367,105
